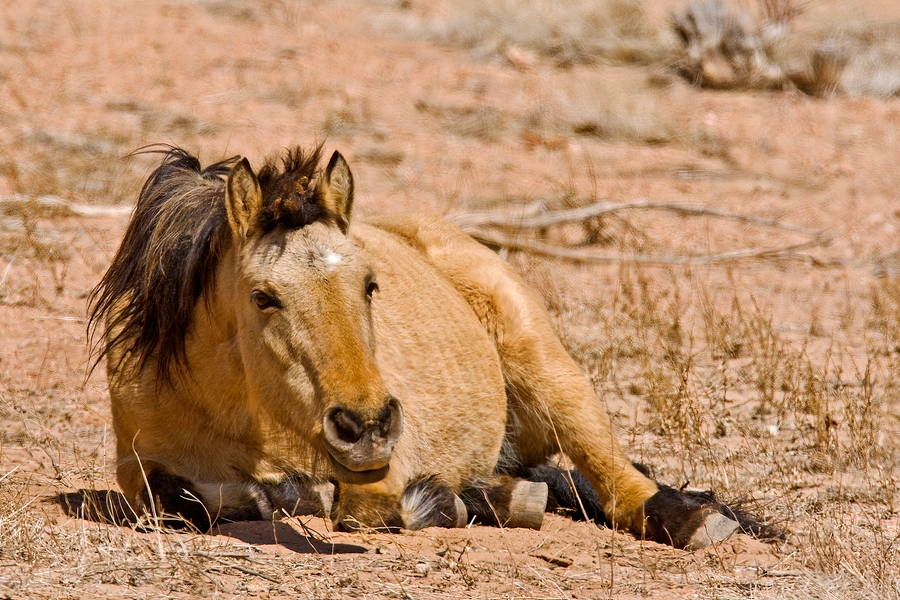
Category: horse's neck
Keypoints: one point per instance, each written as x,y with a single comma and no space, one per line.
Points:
216,374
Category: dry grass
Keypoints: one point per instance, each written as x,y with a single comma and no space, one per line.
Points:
709,388
721,398
567,32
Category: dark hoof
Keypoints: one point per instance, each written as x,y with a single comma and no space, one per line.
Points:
715,528
686,521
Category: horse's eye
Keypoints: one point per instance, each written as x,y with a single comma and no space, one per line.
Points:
263,300
371,288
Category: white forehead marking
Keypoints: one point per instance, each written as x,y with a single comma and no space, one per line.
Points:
332,259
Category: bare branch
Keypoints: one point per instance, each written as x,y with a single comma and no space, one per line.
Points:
502,229
54,206
529,219
591,256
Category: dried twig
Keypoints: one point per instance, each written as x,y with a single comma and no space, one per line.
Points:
56,206
531,219
502,229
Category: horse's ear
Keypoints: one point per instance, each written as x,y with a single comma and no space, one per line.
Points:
335,191
243,199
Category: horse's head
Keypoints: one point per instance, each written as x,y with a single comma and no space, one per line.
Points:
303,294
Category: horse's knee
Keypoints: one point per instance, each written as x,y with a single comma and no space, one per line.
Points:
156,493
507,502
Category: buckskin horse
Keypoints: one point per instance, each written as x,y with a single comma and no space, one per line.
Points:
260,345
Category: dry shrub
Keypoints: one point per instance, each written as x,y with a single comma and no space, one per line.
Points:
568,31
725,47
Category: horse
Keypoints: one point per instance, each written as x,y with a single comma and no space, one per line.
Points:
266,354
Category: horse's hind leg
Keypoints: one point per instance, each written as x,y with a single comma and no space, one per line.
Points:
552,406
569,491
506,502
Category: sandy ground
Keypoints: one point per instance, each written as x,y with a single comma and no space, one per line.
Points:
432,127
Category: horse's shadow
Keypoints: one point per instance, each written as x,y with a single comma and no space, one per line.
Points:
110,508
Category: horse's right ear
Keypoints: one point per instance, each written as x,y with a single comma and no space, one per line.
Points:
243,199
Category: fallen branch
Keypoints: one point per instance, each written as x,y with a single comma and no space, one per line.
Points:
54,206
501,230
587,255
531,219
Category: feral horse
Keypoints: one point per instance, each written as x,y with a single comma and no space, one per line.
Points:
268,354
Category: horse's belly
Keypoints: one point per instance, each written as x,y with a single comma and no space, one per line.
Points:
439,362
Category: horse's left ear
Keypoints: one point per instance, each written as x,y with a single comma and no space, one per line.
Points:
335,191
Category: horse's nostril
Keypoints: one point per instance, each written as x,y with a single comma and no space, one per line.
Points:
361,443
347,425
392,419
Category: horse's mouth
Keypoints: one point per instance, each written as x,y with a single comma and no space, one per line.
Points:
345,475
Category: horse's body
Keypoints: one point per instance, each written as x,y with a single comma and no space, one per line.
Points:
286,358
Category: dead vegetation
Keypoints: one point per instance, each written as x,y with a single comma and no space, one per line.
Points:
764,44
727,47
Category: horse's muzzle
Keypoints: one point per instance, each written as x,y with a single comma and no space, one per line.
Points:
360,448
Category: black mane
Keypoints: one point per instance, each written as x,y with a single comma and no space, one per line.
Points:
171,249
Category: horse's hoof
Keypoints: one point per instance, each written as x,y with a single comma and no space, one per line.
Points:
714,529
686,521
527,504
325,492
462,515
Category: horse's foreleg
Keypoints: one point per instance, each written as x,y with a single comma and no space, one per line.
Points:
299,494
169,500
424,502
506,502
175,501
